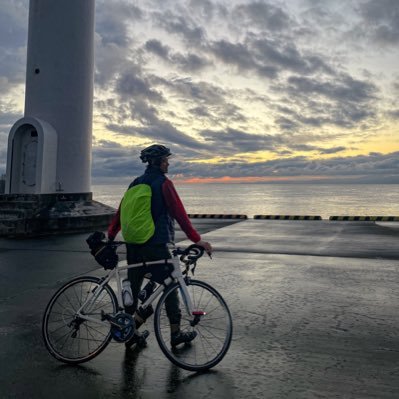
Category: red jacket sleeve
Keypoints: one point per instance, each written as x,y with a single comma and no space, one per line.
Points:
176,210
115,225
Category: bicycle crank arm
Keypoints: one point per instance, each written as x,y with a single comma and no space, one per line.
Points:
111,320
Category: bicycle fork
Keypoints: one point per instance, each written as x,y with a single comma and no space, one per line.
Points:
196,313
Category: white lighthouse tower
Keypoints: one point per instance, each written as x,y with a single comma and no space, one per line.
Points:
49,149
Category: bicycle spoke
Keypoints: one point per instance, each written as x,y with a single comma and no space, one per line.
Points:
77,297
61,305
95,330
57,329
213,333
203,345
88,291
100,302
61,322
57,321
70,303
66,336
210,327
206,318
209,332
208,312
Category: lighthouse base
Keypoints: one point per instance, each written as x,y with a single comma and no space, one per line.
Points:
27,215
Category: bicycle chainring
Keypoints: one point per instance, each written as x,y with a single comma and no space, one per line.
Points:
123,327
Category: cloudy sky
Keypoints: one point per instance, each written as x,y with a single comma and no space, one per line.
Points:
263,90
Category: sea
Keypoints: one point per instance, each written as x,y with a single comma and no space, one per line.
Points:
323,200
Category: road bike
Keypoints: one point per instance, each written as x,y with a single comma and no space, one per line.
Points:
85,314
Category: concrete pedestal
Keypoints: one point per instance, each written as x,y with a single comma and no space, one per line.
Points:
25,215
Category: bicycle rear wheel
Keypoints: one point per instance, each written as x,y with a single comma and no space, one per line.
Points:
211,321
70,338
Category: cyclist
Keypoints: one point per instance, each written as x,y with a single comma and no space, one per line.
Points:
166,206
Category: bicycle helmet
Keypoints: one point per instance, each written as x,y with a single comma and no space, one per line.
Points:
153,152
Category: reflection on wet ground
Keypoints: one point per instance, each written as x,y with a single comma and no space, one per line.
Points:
322,324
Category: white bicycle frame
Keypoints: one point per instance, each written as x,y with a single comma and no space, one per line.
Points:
176,276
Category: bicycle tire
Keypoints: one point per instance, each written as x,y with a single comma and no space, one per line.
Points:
68,338
214,330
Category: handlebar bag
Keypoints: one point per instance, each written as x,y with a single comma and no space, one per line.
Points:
104,252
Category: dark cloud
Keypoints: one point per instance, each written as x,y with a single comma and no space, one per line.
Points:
394,114
200,112
113,41
183,26
313,148
135,98
156,47
262,15
190,62
333,150
8,116
114,160
287,124
205,9
201,91
235,54
123,111
130,85
268,58
285,55
143,112
3,160
113,20
198,96
343,102
381,20
167,133
14,24
13,37
231,141
231,113
161,131
109,60
345,89
186,62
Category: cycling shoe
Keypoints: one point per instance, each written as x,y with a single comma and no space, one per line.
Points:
138,338
182,337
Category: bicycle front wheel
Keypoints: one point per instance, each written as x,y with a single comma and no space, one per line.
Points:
69,337
211,320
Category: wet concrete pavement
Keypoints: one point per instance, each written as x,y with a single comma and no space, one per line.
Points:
314,307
